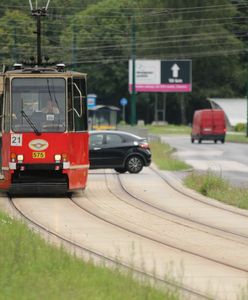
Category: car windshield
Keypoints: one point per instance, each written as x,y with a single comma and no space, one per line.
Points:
38,104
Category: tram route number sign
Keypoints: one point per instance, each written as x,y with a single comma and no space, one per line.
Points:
16,140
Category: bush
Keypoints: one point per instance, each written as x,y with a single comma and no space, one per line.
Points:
240,127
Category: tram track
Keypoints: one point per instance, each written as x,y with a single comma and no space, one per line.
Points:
97,213
224,207
205,226
105,191
159,241
206,204
171,284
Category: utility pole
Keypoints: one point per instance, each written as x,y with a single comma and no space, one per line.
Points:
38,13
133,95
74,43
14,52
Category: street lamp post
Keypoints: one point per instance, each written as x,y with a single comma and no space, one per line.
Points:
133,95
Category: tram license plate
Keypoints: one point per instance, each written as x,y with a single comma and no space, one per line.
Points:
38,154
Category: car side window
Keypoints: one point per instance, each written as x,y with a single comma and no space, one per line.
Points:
96,140
113,139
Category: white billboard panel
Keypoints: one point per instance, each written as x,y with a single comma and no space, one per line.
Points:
161,76
147,71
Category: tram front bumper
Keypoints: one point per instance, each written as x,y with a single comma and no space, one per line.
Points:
43,179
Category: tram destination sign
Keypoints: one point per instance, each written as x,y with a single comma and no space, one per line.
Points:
166,76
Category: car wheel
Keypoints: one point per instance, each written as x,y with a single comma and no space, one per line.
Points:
120,170
199,141
192,140
222,141
134,164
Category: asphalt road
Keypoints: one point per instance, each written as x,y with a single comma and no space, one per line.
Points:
229,160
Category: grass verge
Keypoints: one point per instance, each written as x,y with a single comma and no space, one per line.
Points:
237,138
31,269
168,129
162,157
215,187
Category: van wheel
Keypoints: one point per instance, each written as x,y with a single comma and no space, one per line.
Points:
215,141
222,141
199,141
192,140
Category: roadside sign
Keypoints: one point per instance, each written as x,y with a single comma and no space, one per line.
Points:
123,101
91,100
176,75
161,76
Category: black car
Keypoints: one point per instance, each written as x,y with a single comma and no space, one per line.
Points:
118,150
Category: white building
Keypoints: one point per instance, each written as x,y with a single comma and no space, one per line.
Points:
234,108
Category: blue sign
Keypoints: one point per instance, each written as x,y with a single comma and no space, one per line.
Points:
123,101
91,100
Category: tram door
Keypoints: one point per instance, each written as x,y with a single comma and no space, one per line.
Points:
1,118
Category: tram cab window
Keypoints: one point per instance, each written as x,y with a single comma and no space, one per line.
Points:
30,103
80,116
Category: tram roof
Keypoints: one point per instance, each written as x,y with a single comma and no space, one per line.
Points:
55,71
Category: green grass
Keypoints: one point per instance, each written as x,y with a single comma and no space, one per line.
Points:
31,269
162,157
168,129
237,138
217,188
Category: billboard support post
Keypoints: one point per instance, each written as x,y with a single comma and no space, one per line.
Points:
247,109
133,95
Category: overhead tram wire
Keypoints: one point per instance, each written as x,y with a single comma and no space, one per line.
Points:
142,39
166,41
154,30
219,53
173,10
154,22
159,11
215,53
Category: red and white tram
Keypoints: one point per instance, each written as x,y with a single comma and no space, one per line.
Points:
44,128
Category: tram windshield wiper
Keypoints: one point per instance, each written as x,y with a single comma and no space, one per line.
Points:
30,123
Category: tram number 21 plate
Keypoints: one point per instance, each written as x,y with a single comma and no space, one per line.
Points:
38,154
16,139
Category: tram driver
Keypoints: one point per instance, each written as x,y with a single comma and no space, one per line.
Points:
51,108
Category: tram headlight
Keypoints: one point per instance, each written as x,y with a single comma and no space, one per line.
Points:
64,157
20,158
57,157
13,157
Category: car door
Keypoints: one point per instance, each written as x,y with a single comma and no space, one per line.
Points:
97,141
114,150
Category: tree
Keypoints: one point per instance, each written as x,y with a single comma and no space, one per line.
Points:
18,40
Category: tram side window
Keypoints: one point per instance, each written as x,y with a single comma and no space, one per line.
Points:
80,104
7,106
1,111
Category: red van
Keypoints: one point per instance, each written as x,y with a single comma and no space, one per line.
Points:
209,124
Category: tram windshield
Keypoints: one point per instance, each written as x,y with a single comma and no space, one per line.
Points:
38,104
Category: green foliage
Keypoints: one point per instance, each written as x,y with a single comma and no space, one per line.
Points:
168,129
19,41
162,157
237,138
240,127
213,186
96,37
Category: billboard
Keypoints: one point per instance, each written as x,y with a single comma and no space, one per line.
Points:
161,76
